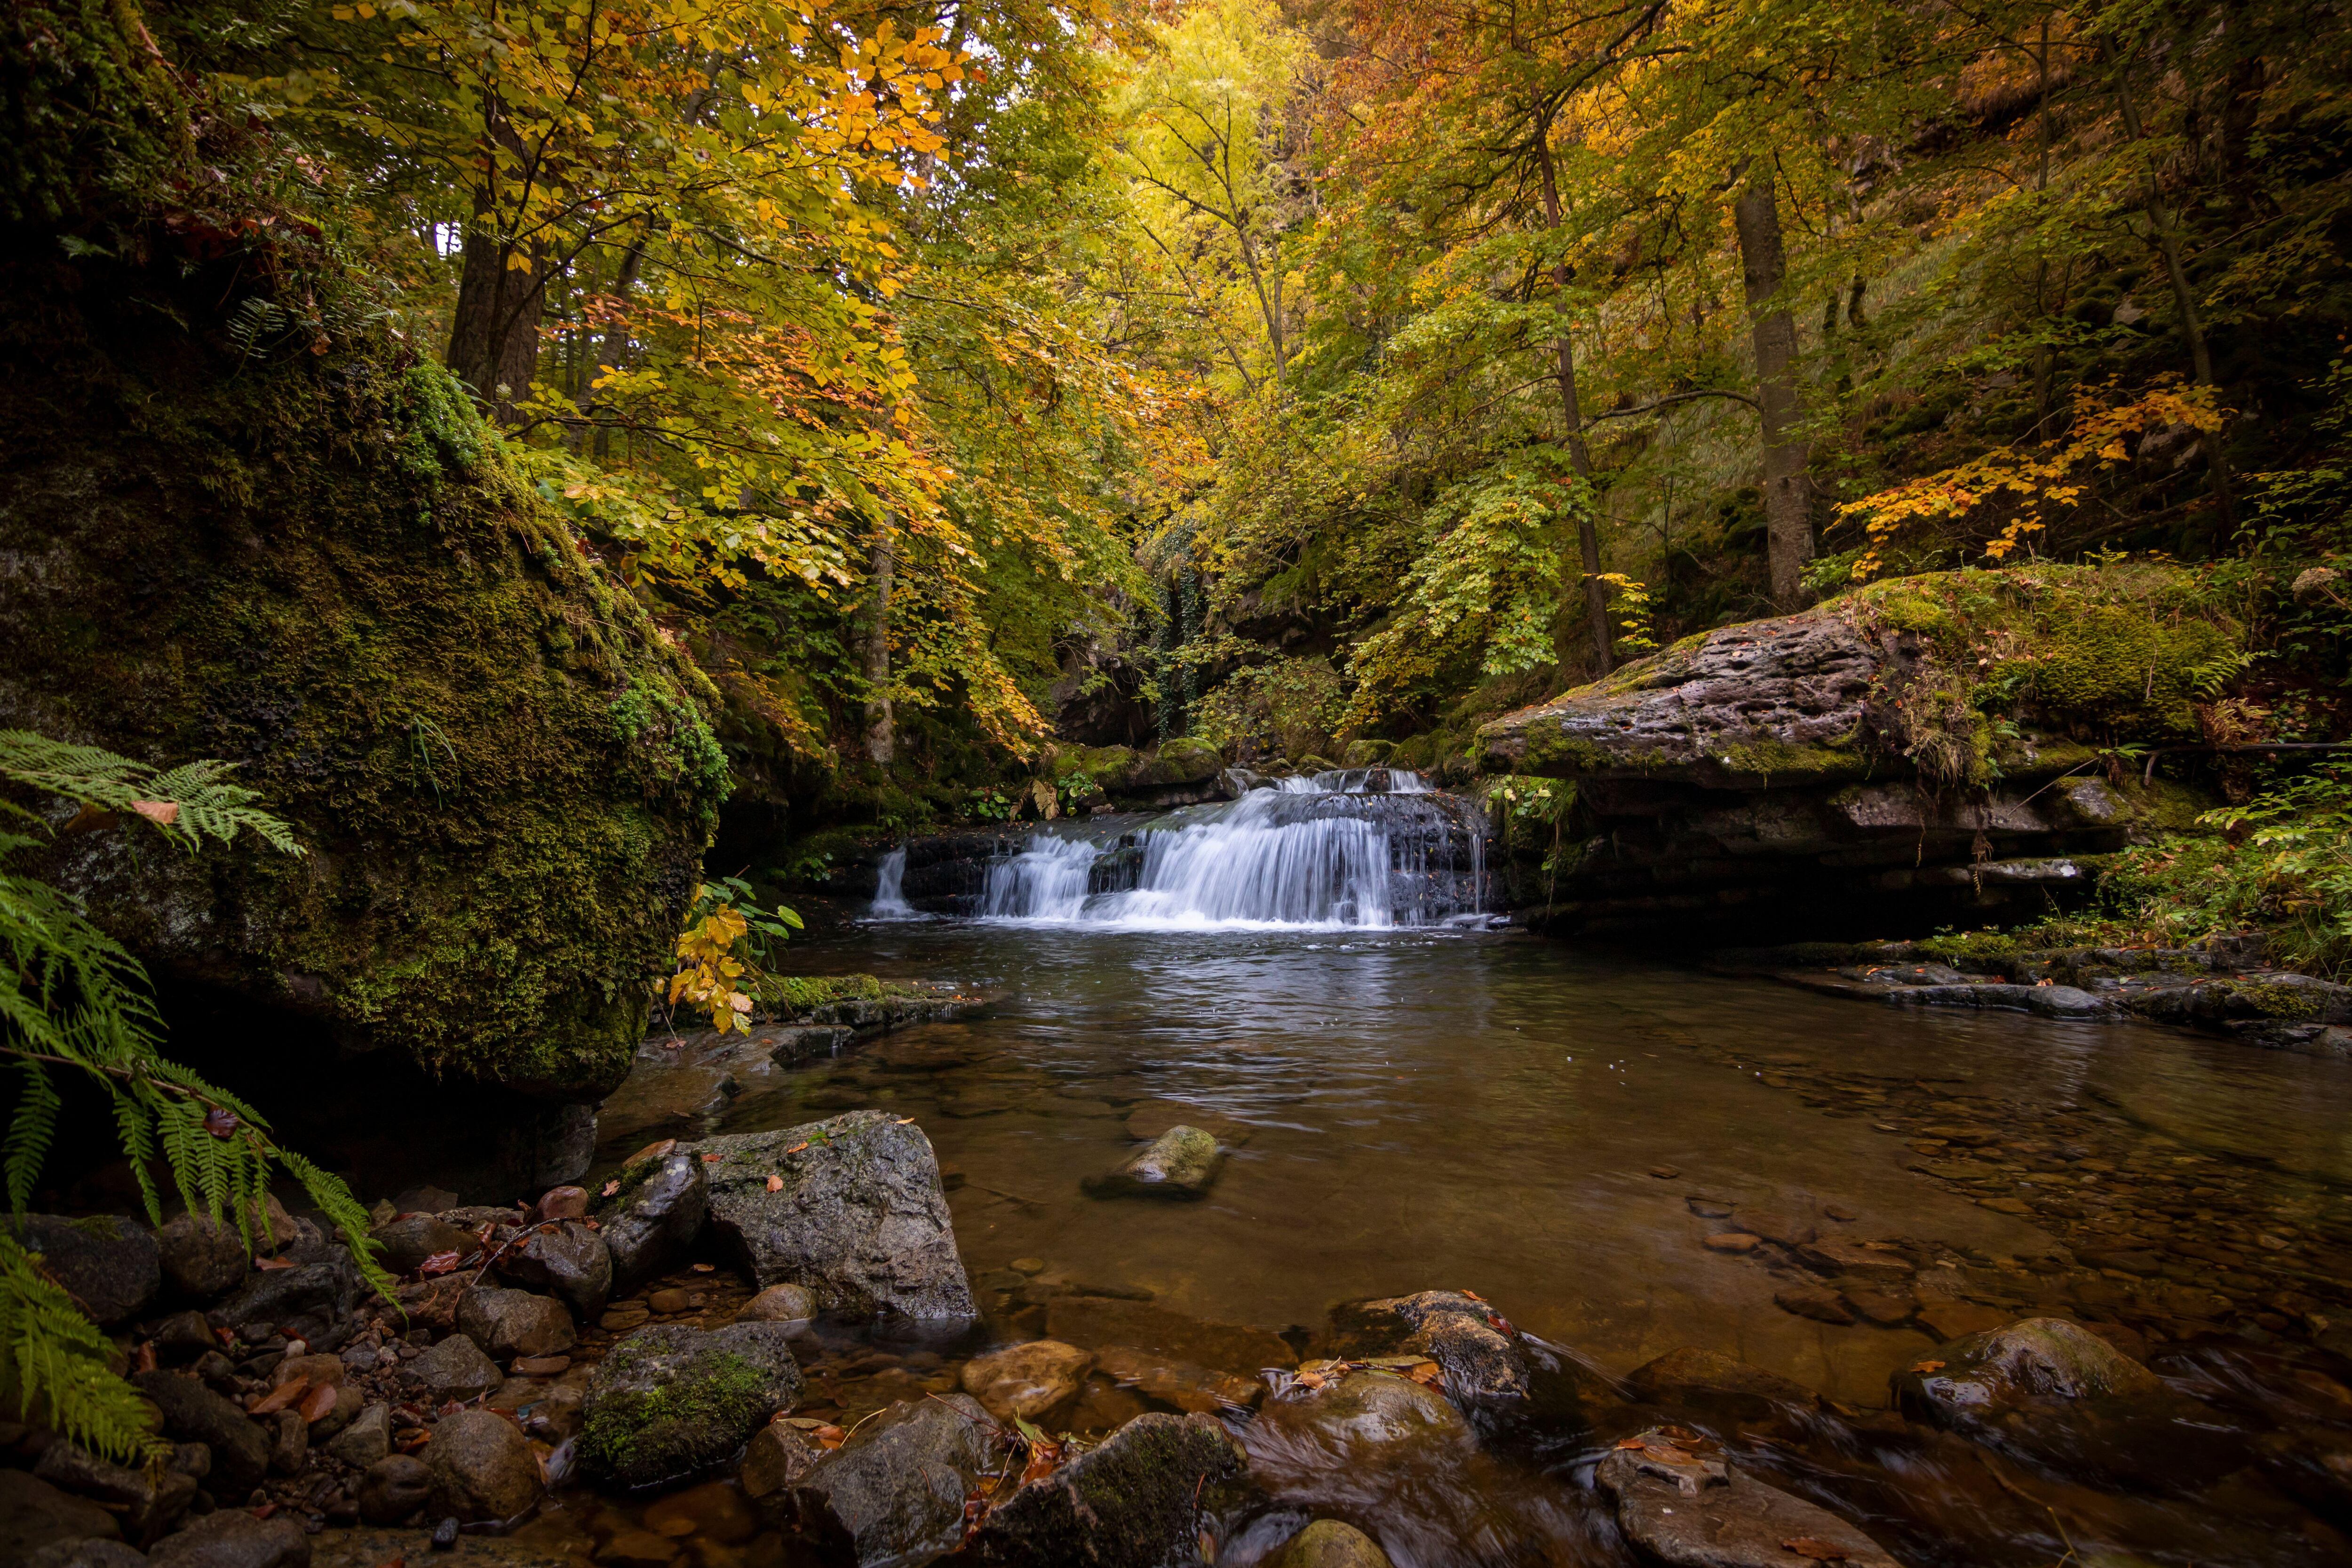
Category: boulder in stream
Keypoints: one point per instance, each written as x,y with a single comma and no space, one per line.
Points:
656,1210
672,1401
1181,1162
1481,1355
851,1207
567,1260
1680,1503
1328,1544
1142,1497
895,1491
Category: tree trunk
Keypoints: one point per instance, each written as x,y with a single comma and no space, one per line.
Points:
494,331
617,345
1787,499
1580,457
880,735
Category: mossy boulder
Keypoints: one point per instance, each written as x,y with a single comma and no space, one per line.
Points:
316,566
671,1402
1177,762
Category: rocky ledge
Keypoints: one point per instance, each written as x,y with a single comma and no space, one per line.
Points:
1904,756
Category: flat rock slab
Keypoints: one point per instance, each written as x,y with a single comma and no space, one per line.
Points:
851,1207
1706,1514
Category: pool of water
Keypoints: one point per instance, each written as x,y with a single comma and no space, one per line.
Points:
1562,1131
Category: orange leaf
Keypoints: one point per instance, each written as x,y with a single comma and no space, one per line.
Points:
711,1159
1635,1443
797,1147
319,1404
280,1397
267,1263
775,1183
1925,1367
162,812
610,1187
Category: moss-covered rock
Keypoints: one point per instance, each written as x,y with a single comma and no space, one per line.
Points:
317,567
669,1402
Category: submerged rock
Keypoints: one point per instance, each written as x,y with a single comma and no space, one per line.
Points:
780,1304
1686,1507
1482,1356
1328,1543
668,1402
2034,1358
895,1492
1181,1162
1691,1377
1365,1412
654,1215
1029,1382
856,1213
1140,1498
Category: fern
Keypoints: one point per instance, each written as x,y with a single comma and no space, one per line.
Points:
73,1001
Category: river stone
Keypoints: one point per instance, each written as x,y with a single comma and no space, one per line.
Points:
482,1467
779,1304
394,1487
1029,1381
1328,1543
778,1455
859,1216
566,1261
408,1240
1139,1498
311,1300
894,1492
90,1551
1366,1412
2034,1358
455,1369
1480,1354
1691,1517
654,1217
146,1506
672,1401
195,1413
366,1439
183,1336
232,1538
1181,1162
108,1264
200,1257
511,1323
34,1513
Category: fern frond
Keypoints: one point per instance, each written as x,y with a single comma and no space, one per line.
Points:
188,805
54,1366
30,1131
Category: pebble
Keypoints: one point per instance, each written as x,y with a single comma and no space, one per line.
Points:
1666,1172
620,1319
1815,1301
1710,1208
541,1365
445,1535
673,1301
1839,1212
1731,1241
1032,1266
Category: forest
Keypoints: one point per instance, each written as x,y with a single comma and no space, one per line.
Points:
651,578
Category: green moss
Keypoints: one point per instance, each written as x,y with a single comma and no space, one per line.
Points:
639,1437
1978,952
794,997
1771,761
2277,1001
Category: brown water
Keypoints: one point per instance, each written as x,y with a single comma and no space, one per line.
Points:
1561,1131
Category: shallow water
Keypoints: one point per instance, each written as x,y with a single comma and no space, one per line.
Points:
1560,1129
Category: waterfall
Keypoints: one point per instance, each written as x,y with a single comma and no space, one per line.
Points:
1353,847
889,902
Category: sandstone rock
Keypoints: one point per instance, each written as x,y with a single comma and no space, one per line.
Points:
394,1487
778,1455
568,1261
509,1323
780,1304
670,1401
1181,1162
33,1514
1711,1515
232,1538
672,1301
108,1264
454,1369
1328,1543
195,1413
859,1216
481,1468
895,1491
366,1439
1481,1355
410,1240
1029,1381
1140,1496
650,1222
200,1257
1815,1301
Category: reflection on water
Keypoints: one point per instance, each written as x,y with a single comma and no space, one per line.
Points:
1565,1132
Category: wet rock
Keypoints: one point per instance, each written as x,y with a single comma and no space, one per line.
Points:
541,1365
193,1413
895,1491
1885,1308
1947,1318
108,1264
1679,1375
1139,1498
1686,1508
146,1506
670,1401
1328,1543
2033,1358
482,1467
509,1323
410,1240
311,1301
33,1514
289,1440
1858,1260
367,1439
563,1202
1815,1301
2046,1001
1029,1382
1181,1162
1092,1321
1365,1412
1189,1387
654,1217
856,1215
566,1261
90,1551
393,1489
713,1512
1482,1356
672,1301
200,1257
777,1456
232,1538
183,1337
780,1304
639,1548
1785,1230
455,1369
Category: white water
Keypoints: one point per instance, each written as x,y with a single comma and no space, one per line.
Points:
1321,852
889,902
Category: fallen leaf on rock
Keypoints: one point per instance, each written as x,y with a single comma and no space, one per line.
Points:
410,1441
714,1159
319,1404
1925,1367
162,812
1635,1443
439,1263
775,1183
611,1187
264,1511
1424,1372
280,1397
1818,1551
906,1122
797,1147
829,1436
652,1151
267,1263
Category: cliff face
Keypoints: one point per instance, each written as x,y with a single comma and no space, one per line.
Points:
1913,752
314,564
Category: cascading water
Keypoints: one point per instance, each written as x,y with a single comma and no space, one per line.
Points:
1353,847
890,897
